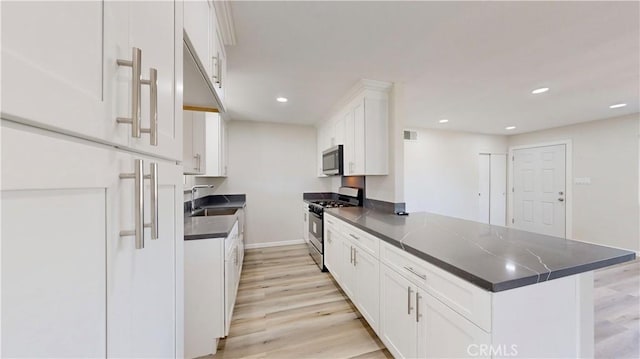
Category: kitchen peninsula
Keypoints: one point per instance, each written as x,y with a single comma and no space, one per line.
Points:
437,286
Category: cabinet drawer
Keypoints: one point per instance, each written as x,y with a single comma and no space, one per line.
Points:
463,297
363,239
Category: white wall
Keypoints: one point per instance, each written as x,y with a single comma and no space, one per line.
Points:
441,171
606,211
273,164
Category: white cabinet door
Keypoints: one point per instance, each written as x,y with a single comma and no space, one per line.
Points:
231,281
358,154
143,285
204,295
152,29
443,333
214,157
367,282
333,258
219,63
63,56
52,68
191,158
305,222
199,142
197,25
349,142
56,198
347,272
398,329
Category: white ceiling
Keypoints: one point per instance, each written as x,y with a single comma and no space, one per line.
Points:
474,63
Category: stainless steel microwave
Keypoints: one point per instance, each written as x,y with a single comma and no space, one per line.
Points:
332,161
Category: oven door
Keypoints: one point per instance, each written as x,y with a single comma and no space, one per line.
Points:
315,231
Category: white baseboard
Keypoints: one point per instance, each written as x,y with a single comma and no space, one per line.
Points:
274,244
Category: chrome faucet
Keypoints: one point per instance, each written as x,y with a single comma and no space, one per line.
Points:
193,195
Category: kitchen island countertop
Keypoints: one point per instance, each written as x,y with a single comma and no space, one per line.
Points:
492,257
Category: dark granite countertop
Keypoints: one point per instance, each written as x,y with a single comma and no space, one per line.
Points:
494,258
208,227
203,227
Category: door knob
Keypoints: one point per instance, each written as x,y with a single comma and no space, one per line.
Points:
561,199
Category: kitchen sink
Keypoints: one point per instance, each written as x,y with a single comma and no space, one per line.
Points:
207,212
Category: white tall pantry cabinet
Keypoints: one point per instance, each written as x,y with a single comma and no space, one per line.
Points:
92,229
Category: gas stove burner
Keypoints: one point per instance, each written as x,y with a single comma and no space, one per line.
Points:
331,204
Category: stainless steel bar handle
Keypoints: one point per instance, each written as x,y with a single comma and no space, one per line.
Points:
138,177
409,300
351,258
197,157
153,107
214,65
219,79
135,63
354,236
418,315
355,253
410,269
153,179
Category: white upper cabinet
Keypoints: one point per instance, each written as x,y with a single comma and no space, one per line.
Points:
194,142
60,71
52,68
362,127
208,147
198,22
152,30
205,57
219,63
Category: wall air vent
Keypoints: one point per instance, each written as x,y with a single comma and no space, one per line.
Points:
410,135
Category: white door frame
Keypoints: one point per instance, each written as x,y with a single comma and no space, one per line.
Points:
568,229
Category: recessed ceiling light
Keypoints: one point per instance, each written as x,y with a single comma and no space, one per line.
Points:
282,99
509,128
540,90
444,120
618,105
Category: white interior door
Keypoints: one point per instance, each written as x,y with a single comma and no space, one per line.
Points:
539,188
484,187
498,190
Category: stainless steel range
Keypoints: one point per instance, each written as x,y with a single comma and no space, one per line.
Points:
347,197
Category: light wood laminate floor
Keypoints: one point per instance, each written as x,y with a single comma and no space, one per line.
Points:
287,308
617,311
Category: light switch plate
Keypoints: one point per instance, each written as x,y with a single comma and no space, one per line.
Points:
582,180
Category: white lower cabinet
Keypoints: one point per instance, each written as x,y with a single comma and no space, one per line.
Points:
414,324
233,266
212,276
332,248
65,245
400,307
355,269
443,333
398,326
